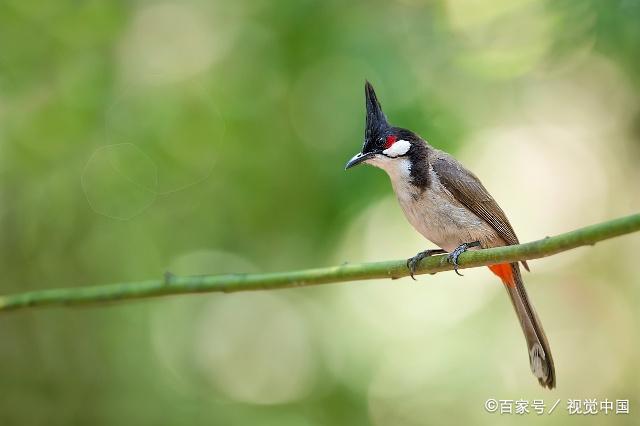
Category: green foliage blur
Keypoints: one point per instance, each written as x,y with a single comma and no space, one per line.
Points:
209,137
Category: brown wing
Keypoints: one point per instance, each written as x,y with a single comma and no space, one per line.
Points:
469,191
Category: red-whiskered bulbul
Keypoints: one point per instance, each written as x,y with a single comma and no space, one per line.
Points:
449,206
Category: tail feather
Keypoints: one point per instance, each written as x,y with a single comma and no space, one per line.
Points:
540,357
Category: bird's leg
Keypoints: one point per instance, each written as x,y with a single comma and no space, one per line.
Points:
412,262
453,256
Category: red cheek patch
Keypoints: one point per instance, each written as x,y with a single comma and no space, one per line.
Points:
390,141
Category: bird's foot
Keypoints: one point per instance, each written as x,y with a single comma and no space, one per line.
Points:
412,263
453,256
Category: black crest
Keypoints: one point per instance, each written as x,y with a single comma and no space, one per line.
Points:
376,125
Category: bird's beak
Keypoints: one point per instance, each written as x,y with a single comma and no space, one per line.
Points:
359,158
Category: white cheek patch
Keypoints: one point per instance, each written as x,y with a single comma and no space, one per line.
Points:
400,147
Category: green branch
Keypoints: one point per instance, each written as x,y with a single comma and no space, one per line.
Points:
348,272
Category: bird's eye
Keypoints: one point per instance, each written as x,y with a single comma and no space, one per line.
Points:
391,139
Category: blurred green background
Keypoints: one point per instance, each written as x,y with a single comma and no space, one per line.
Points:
207,137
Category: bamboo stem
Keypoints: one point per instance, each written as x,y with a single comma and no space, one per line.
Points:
172,284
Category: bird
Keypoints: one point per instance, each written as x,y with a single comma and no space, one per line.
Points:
449,206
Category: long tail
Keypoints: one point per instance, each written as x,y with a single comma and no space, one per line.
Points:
538,347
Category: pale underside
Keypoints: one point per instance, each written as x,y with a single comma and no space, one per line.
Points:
434,212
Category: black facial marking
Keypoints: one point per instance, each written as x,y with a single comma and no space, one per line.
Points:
419,157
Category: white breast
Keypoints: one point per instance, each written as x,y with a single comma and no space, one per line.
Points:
438,216
434,212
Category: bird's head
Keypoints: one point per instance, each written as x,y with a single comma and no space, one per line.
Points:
384,145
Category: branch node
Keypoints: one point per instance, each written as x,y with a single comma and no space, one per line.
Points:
169,278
